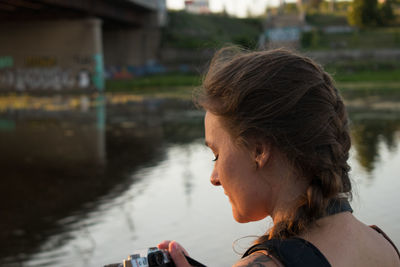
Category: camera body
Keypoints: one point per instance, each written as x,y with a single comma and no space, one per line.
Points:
151,257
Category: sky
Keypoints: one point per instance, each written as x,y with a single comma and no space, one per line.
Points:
238,8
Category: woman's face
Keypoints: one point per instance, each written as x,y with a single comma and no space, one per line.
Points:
235,170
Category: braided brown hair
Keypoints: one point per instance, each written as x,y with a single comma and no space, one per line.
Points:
292,102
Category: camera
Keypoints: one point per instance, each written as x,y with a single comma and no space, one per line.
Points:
151,257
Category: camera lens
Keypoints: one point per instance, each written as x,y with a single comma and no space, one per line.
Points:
156,259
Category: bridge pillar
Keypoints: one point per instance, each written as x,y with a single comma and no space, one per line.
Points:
51,55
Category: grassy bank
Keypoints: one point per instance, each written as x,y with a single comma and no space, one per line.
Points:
159,80
375,38
173,85
190,31
368,76
355,80
361,89
349,78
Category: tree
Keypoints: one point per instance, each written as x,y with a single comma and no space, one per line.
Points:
364,13
315,4
386,13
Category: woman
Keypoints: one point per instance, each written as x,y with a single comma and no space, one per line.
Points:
279,132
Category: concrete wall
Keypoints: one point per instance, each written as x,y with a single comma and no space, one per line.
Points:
51,55
137,46
133,51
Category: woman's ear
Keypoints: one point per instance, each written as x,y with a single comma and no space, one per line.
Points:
262,153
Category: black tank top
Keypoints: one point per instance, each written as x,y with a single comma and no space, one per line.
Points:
297,252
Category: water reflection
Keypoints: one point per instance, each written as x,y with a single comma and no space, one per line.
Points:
369,130
90,176
58,158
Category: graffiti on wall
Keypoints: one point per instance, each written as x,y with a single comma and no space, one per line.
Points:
283,34
6,62
40,62
83,79
43,78
98,76
45,73
82,60
36,78
127,72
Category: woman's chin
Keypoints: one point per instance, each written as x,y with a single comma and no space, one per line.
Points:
245,219
239,218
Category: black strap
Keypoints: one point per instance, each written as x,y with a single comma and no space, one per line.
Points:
297,252
379,230
338,205
292,252
193,262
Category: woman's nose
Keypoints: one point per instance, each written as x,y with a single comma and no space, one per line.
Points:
214,179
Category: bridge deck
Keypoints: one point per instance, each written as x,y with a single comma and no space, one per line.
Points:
131,12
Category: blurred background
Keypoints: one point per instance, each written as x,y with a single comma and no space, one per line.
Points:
102,150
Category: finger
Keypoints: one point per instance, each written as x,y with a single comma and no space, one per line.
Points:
176,252
164,244
181,248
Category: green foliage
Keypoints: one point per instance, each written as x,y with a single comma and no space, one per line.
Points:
325,7
367,13
290,8
310,39
321,19
315,4
364,13
244,41
192,31
386,13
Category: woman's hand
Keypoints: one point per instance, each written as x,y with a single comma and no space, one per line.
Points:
176,251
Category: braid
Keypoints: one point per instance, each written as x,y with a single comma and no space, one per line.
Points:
341,151
329,168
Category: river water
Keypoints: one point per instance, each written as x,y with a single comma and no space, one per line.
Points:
89,179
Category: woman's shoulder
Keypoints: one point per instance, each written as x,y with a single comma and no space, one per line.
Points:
346,241
257,259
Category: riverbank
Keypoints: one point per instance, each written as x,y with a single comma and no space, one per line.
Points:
356,96
347,80
173,85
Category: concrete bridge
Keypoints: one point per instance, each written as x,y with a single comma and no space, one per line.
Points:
65,44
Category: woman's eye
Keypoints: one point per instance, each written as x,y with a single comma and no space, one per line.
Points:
216,158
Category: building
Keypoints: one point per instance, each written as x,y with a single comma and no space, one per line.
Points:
197,6
282,30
